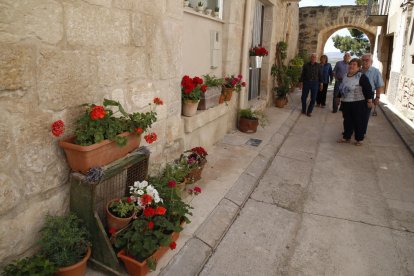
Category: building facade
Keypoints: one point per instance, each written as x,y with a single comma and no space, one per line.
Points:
58,54
394,50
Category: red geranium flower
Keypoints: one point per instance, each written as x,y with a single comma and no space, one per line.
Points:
197,190
97,112
243,84
138,130
172,184
173,245
158,101
150,225
160,210
149,212
150,138
129,200
146,199
112,230
204,88
58,128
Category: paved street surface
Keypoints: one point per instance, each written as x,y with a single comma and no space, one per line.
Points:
302,204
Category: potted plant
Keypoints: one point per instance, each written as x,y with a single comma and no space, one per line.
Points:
102,135
196,159
281,95
249,120
148,237
119,213
294,71
230,85
35,265
216,12
64,241
186,3
281,79
212,95
256,56
201,7
177,172
191,90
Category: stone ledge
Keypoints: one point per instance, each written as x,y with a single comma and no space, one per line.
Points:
204,117
193,12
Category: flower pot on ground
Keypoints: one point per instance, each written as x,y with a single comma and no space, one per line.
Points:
250,119
141,268
281,95
196,159
64,241
119,213
99,128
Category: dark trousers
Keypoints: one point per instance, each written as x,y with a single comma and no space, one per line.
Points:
321,97
354,114
335,95
368,115
313,87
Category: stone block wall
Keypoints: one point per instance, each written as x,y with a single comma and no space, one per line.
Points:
56,55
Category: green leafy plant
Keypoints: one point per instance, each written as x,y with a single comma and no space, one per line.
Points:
200,4
176,171
216,9
122,208
279,70
64,240
213,81
35,265
249,113
100,122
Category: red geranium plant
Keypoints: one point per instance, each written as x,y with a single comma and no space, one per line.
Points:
234,82
191,88
258,51
99,123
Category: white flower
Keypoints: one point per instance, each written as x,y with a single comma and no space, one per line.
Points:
143,184
140,192
151,190
157,199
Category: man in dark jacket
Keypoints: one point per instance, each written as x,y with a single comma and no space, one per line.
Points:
310,80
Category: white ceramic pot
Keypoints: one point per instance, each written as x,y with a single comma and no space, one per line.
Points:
256,61
208,11
186,3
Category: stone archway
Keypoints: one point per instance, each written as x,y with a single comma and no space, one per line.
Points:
317,24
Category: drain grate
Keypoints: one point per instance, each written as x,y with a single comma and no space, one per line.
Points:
254,142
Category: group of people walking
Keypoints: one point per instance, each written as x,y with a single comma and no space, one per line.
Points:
358,86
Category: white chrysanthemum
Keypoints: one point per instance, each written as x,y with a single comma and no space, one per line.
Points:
143,184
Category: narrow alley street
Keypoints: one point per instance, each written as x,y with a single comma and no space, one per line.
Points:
321,208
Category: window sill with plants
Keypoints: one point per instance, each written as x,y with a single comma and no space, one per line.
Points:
189,10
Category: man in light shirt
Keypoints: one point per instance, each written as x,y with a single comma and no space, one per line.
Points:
340,70
377,83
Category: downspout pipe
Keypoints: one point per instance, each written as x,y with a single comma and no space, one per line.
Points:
244,69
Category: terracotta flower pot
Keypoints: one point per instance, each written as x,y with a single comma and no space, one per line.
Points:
137,268
228,92
114,221
280,102
77,269
190,108
82,158
248,125
221,99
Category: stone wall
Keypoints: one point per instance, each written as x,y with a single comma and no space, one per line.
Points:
58,54
317,24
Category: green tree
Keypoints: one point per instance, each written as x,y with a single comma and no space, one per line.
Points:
357,44
361,2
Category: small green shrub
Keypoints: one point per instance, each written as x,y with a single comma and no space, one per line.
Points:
212,81
64,240
36,265
250,114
